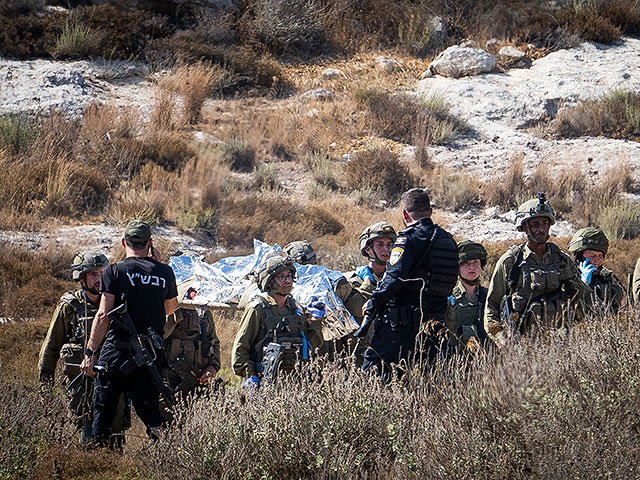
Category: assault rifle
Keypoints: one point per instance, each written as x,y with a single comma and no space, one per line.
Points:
362,331
271,360
505,315
142,349
96,368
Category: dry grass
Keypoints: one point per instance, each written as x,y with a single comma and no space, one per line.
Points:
615,116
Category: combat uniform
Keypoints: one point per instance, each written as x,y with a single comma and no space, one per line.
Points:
263,322
538,291
420,275
465,316
66,338
191,345
607,290
362,286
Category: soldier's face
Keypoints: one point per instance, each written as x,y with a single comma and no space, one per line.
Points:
282,283
381,247
470,270
538,229
92,279
595,257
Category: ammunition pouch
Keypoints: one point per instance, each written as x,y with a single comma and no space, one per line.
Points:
271,358
397,317
189,374
71,353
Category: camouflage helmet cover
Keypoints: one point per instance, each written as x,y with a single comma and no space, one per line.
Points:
537,207
468,250
590,238
301,252
272,267
86,261
377,230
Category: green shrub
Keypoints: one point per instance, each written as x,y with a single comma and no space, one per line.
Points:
17,133
194,218
264,177
324,170
620,220
78,41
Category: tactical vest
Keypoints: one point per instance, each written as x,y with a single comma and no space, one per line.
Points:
438,265
286,330
536,290
73,350
469,315
189,339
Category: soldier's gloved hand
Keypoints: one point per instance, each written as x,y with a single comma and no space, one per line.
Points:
251,382
316,308
586,271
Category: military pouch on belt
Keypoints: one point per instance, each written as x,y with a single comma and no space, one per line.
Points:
398,317
71,353
544,281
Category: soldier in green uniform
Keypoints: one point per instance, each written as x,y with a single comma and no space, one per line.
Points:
535,286
589,247
192,348
465,313
299,251
273,318
67,338
375,244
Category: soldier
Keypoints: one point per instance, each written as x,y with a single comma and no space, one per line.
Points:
375,244
273,318
533,284
412,296
465,314
192,349
144,291
67,338
589,247
301,252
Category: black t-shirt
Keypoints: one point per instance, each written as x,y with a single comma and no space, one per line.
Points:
146,284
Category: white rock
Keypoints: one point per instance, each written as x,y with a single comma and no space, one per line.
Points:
493,43
492,212
462,61
428,73
468,44
387,64
333,145
317,94
438,31
331,73
203,137
511,52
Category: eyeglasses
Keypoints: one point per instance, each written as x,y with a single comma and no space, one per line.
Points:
284,277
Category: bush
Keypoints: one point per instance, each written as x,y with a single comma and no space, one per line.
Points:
27,36
620,220
615,116
452,190
238,155
17,133
78,41
20,7
378,170
323,169
285,26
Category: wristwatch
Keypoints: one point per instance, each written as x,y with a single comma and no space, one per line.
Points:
90,353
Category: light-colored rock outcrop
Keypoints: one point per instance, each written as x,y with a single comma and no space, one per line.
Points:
460,61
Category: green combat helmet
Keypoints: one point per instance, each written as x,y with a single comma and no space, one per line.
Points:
590,238
377,230
86,261
301,252
468,250
534,208
272,267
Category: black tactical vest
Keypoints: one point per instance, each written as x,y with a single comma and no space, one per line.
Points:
439,264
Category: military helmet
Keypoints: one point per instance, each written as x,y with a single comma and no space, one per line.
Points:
377,230
86,261
468,250
272,267
301,252
590,238
537,207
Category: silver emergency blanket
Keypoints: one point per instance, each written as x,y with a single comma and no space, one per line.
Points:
225,281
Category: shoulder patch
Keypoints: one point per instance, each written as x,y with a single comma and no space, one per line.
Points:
396,254
401,241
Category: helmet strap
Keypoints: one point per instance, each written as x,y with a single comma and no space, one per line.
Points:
471,282
92,291
374,257
530,235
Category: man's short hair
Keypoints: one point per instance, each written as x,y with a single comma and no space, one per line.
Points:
135,245
416,200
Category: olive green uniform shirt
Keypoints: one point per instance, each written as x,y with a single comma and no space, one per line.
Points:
183,337
252,330
636,282
61,331
464,317
573,288
360,293
606,290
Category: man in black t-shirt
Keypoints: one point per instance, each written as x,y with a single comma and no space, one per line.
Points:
149,289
